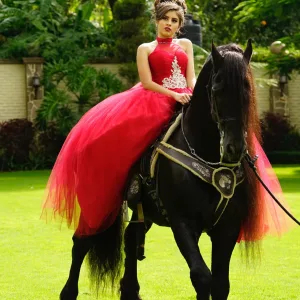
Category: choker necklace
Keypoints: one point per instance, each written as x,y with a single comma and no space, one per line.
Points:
164,40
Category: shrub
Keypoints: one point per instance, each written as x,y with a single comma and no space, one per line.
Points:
291,141
130,28
284,157
56,108
130,73
108,84
278,134
129,9
260,54
284,63
85,84
41,28
15,138
45,147
25,147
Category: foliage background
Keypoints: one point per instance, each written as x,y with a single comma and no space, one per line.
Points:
69,34
264,21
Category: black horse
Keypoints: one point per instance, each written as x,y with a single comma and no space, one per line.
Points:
220,121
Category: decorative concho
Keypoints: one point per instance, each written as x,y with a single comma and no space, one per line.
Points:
225,182
239,173
134,187
205,172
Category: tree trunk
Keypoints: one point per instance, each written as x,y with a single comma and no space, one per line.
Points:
111,4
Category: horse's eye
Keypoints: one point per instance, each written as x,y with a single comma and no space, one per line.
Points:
217,79
218,83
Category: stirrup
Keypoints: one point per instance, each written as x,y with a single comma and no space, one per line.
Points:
140,213
125,211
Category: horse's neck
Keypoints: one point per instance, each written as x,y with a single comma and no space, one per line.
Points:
201,130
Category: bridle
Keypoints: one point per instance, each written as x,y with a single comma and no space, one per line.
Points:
219,121
244,155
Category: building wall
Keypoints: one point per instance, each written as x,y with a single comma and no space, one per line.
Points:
262,92
12,91
294,100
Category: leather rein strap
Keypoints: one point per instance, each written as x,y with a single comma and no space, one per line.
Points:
251,162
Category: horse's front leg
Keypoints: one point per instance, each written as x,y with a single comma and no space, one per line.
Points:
134,240
187,241
80,248
223,241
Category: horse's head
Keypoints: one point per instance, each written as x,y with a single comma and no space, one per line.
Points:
230,91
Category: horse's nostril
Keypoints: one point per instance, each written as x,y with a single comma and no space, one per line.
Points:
230,149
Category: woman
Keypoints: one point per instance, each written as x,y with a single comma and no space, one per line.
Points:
86,184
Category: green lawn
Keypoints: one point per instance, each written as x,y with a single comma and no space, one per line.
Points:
35,257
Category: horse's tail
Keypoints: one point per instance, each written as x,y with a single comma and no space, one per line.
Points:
105,256
253,223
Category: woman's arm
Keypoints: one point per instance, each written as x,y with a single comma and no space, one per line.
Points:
146,77
190,72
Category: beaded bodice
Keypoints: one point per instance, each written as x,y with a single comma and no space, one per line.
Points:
168,64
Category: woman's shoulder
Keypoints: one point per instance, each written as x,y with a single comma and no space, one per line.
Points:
147,47
184,43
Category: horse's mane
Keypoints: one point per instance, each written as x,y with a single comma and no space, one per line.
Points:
254,222
236,70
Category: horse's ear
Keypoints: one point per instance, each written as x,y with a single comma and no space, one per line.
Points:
216,57
248,51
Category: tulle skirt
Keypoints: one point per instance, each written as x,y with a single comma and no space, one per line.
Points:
271,219
86,185
85,188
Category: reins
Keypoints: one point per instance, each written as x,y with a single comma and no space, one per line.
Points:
251,163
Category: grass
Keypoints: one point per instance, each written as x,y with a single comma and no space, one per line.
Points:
35,257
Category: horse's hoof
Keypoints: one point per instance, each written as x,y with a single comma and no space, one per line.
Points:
132,296
129,291
135,297
67,294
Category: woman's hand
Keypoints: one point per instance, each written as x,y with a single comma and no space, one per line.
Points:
183,98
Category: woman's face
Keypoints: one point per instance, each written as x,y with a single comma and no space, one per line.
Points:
168,25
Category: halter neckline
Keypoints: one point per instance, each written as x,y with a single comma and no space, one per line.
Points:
164,40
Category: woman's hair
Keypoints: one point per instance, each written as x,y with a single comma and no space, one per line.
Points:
161,7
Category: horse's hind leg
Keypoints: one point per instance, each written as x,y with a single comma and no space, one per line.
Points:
129,285
187,241
80,248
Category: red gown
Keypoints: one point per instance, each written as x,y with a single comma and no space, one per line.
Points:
86,184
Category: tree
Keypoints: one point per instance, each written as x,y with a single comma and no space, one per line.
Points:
41,28
235,21
280,19
217,21
129,28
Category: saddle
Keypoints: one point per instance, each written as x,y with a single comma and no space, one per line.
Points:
143,180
